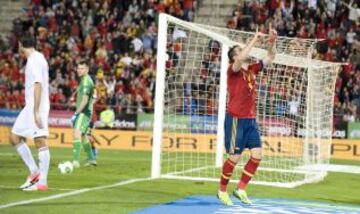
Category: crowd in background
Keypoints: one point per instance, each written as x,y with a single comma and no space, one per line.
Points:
335,21
118,37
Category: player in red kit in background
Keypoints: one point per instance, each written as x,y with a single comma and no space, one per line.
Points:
241,130
90,133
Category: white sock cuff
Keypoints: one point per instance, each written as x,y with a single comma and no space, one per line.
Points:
43,149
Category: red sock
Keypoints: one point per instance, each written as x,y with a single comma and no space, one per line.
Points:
227,171
248,172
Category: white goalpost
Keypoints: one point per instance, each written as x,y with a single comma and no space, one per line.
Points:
294,106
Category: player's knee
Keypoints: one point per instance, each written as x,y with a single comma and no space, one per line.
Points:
256,154
84,137
77,134
11,140
235,158
40,142
14,140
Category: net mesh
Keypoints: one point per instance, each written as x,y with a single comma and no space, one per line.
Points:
294,106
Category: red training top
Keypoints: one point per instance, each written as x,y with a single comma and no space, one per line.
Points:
242,91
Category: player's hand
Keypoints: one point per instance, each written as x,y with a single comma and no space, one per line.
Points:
38,121
73,118
272,34
258,33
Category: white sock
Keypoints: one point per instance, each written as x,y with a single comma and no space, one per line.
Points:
44,162
25,153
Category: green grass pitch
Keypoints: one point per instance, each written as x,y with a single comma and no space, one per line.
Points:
115,166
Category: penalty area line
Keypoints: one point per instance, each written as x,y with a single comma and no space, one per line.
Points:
76,192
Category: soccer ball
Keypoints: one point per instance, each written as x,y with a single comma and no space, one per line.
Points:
66,167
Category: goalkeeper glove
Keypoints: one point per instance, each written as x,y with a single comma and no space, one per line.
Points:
73,118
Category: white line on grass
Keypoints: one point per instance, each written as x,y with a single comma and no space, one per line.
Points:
14,187
76,192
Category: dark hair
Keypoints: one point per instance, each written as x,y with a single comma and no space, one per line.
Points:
27,41
83,62
231,53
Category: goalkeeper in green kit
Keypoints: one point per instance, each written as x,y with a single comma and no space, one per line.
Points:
82,116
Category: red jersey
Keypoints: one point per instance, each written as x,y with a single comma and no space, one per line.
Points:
242,91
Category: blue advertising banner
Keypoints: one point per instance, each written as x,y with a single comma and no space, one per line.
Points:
203,124
8,117
199,124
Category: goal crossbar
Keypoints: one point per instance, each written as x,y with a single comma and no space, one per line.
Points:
255,52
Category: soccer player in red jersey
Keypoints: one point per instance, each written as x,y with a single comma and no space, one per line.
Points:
241,130
90,131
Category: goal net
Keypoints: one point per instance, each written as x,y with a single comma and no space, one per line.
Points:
294,106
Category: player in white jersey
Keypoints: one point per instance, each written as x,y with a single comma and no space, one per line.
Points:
32,121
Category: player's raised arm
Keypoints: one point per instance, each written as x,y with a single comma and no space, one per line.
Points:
239,55
347,5
272,47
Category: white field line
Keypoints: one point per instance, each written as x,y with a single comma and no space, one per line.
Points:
76,192
190,170
14,187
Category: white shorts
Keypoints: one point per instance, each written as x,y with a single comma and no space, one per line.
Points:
25,124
